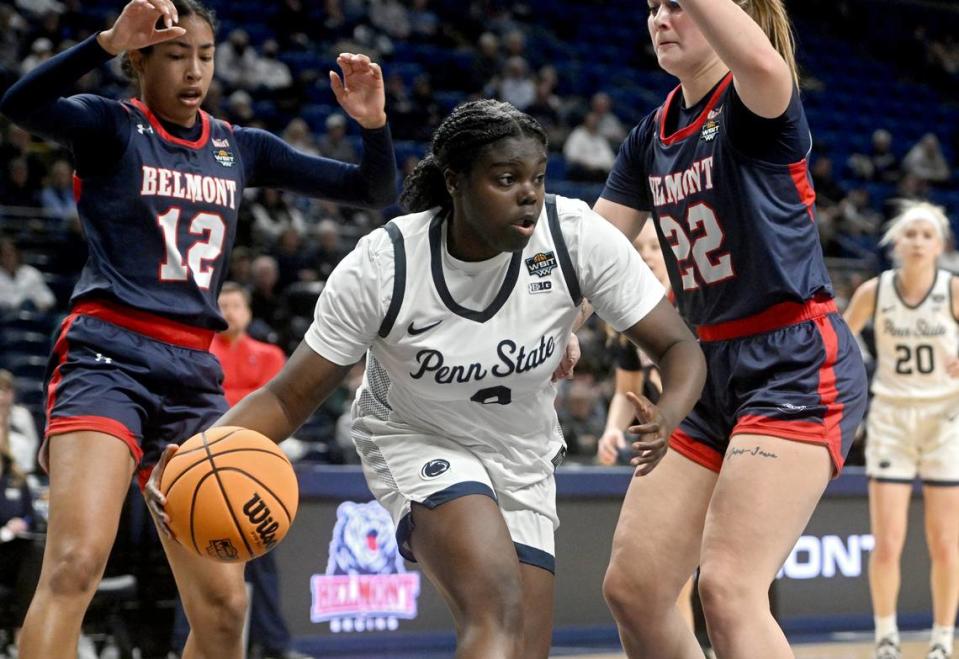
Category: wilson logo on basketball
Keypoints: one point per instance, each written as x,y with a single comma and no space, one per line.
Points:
258,513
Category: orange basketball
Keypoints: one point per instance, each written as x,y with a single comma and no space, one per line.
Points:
231,494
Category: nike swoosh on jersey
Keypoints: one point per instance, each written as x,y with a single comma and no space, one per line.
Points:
413,331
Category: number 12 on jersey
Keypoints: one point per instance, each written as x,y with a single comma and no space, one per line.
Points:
210,231
697,249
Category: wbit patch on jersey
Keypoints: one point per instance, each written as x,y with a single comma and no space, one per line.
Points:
541,264
224,157
711,127
540,286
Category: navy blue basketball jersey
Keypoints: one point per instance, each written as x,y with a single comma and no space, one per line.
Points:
160,225
741,230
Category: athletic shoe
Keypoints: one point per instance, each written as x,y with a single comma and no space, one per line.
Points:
888,649
938,652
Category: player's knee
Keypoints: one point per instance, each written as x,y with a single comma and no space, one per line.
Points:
495,605
631,593
219,613
725,594
888,548
76,570
943,549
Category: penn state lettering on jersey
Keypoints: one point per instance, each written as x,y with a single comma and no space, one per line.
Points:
741,231
161,223
914,344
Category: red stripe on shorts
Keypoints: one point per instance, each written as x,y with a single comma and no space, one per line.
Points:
701,454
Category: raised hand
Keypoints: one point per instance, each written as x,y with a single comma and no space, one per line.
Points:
360,92
654,435
136,26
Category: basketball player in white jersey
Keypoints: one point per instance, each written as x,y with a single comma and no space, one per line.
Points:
913,423
463,310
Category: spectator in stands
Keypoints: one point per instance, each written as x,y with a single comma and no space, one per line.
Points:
237,62
239,108
391,17
828,191
12,26
426,110
329,251
546,110
514,44
241,267
926,160
18,432
18,190
40,52
609,125
857,217
21,285
333,143
271,72
16,520
424,23
581,418
57,196
272,216
37,8
488,62
300,137
291,24
881,164
399,103
515,85
589,157
264,298
295,258
49,28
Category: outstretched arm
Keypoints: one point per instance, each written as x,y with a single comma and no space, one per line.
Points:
762,77
281,406
862,306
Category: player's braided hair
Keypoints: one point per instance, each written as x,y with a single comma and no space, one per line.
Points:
184,8
771,16
457,142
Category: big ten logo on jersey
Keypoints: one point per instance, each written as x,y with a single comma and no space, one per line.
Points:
366,586
697,238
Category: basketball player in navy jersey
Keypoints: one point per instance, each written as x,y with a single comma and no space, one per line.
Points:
722,168
463,309
159,183
913,425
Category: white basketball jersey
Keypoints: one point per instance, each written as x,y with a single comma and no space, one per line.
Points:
466,350
914,343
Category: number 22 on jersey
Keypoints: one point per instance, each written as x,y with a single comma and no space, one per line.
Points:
210,231
697,249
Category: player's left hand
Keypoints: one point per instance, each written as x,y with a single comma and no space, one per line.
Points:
653,434
360,91
952,367
569,360
156,502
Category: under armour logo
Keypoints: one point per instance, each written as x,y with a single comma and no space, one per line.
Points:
104,359
144,129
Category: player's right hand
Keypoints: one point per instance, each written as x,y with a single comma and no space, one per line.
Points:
653,434
136,26
156,502
609,446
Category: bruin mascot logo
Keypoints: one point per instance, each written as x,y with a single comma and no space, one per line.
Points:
366,586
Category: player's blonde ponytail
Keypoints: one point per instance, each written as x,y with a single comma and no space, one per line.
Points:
772,18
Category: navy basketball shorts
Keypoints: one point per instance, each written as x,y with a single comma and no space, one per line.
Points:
141,378
793,371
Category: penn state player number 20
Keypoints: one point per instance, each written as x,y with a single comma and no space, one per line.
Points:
210,229
922,356
700,242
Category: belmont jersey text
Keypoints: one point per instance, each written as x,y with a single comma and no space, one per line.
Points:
162,182
674,188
